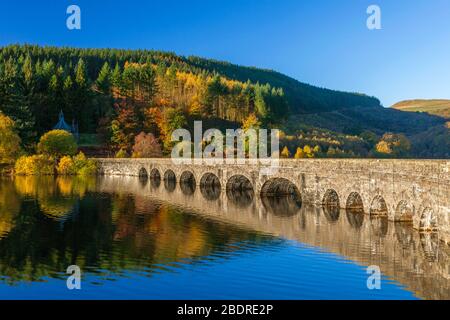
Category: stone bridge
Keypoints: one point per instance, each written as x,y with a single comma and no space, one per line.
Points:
416,191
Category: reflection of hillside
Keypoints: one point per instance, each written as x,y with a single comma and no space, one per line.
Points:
108,232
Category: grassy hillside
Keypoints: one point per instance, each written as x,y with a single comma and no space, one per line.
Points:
438,107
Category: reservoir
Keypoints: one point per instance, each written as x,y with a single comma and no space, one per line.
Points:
138,238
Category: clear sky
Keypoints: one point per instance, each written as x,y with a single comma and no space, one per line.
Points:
321,42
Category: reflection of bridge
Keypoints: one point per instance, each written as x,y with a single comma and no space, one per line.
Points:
401,190
401,252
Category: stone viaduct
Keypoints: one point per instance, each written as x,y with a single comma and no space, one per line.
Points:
416,191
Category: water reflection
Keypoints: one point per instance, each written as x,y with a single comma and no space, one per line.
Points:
113,224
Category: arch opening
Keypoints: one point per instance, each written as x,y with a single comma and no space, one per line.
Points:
169,175
187,183
143,177
331,205
209,179
281,197
404,212
210,186
155,178
143,174
354,203
428,221
331,198
378,207
154,174
279,187
240,190
239,183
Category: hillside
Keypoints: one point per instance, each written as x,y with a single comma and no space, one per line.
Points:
438,107
116,94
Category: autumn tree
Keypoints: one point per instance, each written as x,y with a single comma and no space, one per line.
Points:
285,153
9,140
395,145
299,154
146,146
124,126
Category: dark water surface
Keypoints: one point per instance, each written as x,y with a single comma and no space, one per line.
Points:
157,240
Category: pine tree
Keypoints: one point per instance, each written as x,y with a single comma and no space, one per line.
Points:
103,81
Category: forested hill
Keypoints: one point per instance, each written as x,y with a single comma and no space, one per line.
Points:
302,97
117,94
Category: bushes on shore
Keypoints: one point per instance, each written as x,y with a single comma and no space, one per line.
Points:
45,165
34,165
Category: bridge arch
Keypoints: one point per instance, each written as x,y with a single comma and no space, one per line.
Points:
331,205
279,187
210,186
355,203
403,212
143,173
428,220
331,198
155,178
154,174
187,177
187,183
210,179
378,207
239,182
169,175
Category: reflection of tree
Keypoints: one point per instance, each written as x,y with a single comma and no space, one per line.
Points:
109,232
9,207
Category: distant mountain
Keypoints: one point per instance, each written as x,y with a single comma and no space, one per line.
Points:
438,107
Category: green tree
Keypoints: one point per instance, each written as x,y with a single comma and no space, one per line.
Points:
57,143
103,81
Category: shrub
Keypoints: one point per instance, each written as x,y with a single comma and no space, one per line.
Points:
66,166
84,166
34,165
57,143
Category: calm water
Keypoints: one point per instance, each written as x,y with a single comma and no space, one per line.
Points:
155,240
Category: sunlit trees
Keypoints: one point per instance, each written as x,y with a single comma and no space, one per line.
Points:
285,153
9,140
299,154
396,145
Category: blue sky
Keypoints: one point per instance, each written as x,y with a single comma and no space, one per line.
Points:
322,42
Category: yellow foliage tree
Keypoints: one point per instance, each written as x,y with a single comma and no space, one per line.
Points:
9,140
285,153
299,154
